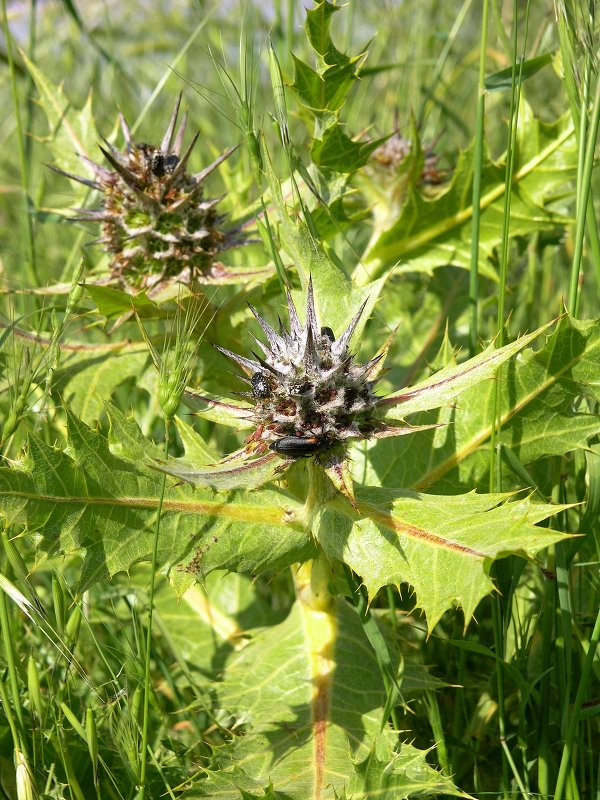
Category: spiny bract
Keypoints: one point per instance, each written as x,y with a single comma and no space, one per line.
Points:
308,386
155,221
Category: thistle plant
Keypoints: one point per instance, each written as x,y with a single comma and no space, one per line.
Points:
207,675
156,223
310,396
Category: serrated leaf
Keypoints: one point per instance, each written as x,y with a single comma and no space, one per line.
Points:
318,22
444,386
337,151
442,547
232,784
89,500
113,302
312,708
426,233
390,775
72,133
322,92
542,409
230,473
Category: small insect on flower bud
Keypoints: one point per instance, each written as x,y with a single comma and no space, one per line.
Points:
157,163
261,388
170,163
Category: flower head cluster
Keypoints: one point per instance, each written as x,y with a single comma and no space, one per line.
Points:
155,222
309,393
310,398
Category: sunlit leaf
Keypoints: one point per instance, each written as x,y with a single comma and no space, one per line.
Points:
544,408
88,500
444,386
442,547
313,709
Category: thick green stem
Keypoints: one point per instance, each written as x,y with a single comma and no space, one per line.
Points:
312,580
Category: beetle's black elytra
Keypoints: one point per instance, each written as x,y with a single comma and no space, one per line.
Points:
297,446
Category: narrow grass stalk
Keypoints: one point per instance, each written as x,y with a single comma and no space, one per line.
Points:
74,785
499,649
495,461
430,701
583,198
579,112
565,624
11,663
514,770
586,675
30,251
30,104
147,688
477,163
513,126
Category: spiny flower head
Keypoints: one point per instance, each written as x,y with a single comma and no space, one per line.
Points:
156,223
310,395
395,150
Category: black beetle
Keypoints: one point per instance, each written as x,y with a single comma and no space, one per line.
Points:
297,446
170,163
326,331
261,387
157,163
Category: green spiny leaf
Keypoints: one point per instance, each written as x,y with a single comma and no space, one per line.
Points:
543,410
87,499
444,386
313,708
72,133
442,547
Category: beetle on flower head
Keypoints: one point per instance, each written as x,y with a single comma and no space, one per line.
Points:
156,222
310,395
